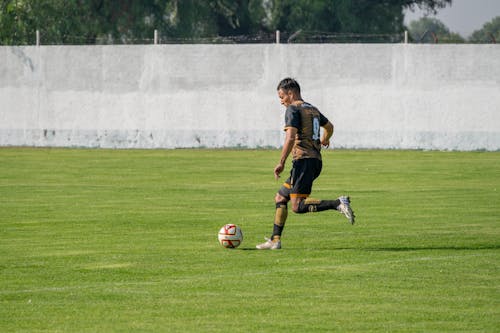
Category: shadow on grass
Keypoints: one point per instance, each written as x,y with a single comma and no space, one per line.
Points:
427,248
389,249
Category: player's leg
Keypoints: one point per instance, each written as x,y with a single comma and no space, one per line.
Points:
280,216
302,205
310,205
306,172
281,200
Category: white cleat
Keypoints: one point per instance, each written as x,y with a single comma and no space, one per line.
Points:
269,245
345,208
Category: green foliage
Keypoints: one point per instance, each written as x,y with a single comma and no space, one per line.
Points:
338,16
490,32
430,6
433,30
192,19
374,19
94,21
126,241
129,21
58,20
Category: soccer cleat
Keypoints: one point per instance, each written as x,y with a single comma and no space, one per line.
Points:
345,208
269,245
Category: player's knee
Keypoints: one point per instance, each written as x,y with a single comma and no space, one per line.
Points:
300,207
280,199
296,207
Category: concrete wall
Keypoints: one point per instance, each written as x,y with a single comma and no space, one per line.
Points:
168,96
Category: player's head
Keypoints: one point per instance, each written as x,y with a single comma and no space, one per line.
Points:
288,91
289,84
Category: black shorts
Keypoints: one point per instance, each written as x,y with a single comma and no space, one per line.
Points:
302,175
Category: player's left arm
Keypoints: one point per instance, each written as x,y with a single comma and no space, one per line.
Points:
327,134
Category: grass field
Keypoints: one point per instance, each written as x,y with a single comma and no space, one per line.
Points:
126,241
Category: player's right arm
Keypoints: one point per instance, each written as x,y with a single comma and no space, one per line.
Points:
290,134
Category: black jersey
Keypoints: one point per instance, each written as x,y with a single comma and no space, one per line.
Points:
307,120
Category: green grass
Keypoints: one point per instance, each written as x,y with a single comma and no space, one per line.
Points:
126,241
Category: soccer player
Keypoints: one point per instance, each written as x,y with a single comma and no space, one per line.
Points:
303,140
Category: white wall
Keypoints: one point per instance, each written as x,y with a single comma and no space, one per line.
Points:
167,96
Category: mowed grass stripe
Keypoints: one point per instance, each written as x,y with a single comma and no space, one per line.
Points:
126,240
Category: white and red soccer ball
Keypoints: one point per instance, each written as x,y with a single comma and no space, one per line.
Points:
230,236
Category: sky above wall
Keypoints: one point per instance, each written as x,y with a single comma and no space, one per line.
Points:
463,16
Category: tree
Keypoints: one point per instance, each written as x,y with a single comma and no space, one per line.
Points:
430,6
352,17
61,21
125,21
490,32
429,29
130,21
195,19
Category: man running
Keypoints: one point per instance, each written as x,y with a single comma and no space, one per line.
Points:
303,140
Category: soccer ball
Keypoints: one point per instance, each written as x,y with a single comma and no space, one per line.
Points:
230,236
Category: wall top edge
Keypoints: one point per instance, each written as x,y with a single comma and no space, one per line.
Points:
261,45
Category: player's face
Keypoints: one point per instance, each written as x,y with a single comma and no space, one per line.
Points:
285,97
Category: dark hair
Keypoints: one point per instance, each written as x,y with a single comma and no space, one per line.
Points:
289,84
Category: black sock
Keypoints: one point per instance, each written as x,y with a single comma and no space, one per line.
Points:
277,230
312,205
